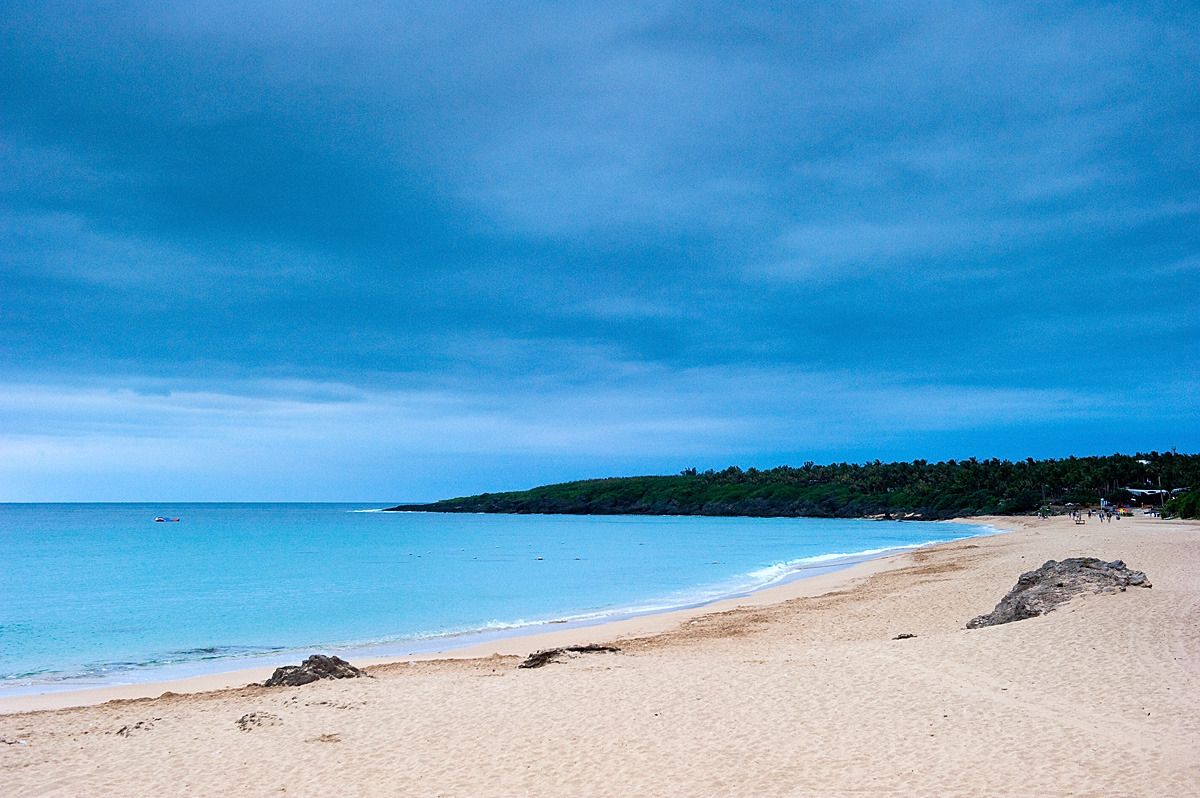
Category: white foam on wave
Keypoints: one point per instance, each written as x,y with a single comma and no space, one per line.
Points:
774,572
736,586
779,573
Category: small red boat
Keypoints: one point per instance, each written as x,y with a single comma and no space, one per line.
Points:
160,518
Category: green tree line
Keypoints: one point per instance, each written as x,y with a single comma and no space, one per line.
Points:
1186,505
917,489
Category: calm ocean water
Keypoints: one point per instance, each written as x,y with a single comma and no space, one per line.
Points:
101,593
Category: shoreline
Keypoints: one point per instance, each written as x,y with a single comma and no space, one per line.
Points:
861,682
514,641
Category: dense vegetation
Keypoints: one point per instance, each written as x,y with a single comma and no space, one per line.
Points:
848,490
1185,505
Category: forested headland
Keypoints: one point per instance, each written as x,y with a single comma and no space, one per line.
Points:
916,490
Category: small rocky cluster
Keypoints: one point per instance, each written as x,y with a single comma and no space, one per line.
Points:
131,729
316,667
253,719
1056,583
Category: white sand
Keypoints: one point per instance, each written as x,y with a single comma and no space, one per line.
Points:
797,690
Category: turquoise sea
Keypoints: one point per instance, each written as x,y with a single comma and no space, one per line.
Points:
95,594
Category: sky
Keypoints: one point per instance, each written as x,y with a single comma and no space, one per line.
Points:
391,252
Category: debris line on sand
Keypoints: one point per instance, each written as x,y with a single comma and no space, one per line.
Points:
548,655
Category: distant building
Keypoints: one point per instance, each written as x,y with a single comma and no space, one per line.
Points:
1159,494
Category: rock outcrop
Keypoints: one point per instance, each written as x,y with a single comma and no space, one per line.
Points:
1055,583
316,667
548,655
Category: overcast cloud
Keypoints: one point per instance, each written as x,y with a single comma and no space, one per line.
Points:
368,251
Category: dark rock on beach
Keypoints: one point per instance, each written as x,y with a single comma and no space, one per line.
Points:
548,655
1055,583
316,667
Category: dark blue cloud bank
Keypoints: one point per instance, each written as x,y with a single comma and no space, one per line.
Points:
397,252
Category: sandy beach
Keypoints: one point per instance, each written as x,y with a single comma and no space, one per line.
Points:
797,690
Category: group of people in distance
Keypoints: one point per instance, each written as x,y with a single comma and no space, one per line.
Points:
1103,514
